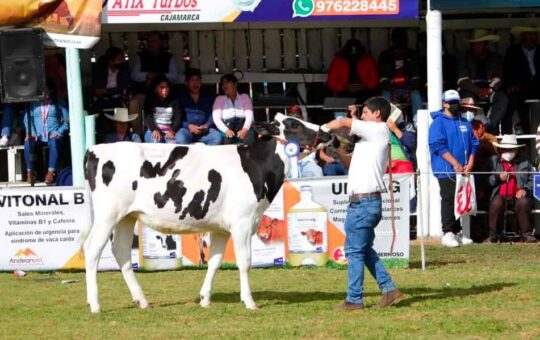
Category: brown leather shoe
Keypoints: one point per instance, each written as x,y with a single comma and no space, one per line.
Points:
391,298
49,177
29,177
348,306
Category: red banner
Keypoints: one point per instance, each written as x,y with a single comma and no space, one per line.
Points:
74,23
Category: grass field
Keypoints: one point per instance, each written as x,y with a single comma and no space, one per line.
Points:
479,291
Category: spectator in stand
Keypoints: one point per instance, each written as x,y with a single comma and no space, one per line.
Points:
353,72
233,113
163,115
8,117
111,83
480,76
152,61
470,111
46,123
513,185
482,165
122,127
402,142
198,125
55,72
452,148
400,72
522,73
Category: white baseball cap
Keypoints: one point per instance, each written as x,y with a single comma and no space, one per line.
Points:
451,96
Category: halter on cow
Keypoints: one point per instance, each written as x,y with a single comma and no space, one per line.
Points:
176,189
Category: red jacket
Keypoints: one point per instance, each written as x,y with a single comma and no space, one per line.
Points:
338,75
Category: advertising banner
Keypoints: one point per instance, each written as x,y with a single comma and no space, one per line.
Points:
41,228
188,11
330,194
73,23
482,4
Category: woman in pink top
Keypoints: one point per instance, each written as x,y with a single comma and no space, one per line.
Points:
233,113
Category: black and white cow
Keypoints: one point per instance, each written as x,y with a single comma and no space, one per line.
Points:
179,189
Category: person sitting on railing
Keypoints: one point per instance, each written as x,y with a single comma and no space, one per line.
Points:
512,182
353,72
198,125
522,72
8,136
163,115
46,123
233,113
480,75
399,68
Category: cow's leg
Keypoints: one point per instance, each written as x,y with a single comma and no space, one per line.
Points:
93,246
242,248
121,248
218,241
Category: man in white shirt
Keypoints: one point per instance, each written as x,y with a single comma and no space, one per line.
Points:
368,166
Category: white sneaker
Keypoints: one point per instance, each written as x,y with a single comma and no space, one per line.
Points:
449,240
462,239
3,141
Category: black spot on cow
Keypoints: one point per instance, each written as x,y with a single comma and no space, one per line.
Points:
178,153
264,168
175,192
134,185
148,170
90,168
107,172
196,208
151,171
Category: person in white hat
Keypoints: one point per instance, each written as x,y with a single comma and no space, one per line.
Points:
122,127
512,182
452,148
480,73
522,72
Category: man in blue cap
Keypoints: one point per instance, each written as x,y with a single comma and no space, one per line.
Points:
452,146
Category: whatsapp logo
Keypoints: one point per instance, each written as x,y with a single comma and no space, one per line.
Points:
302,8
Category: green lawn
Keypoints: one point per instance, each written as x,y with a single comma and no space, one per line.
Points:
479,291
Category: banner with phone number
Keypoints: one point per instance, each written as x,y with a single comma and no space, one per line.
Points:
175,11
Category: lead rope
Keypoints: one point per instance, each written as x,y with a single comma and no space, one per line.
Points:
392,213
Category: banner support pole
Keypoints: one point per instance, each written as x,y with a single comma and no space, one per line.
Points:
76,113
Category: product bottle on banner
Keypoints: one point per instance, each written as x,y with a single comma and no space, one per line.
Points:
307,231
159,251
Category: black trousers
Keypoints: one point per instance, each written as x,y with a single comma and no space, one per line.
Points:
448,192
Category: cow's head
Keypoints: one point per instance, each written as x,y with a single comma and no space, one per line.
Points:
285,128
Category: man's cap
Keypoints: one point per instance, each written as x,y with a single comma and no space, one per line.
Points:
451,96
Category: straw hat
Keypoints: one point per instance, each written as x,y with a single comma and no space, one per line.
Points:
517,30
481,35
121,115
508,142
469,103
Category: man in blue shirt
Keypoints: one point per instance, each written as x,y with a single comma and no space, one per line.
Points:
452,147
198,125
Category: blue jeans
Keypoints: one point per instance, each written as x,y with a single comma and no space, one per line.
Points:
148,138
360,222
415,99
212,137
335,169
32,146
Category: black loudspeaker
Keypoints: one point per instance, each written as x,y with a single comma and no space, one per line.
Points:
22,64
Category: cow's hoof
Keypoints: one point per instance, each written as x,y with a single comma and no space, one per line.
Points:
143,304
251,305
95,309
205,301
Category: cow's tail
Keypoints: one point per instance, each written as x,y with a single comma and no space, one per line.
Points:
88,227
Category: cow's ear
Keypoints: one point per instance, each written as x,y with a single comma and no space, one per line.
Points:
265,130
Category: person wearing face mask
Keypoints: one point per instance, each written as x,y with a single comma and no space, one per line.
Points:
452,147
470,111
512,182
